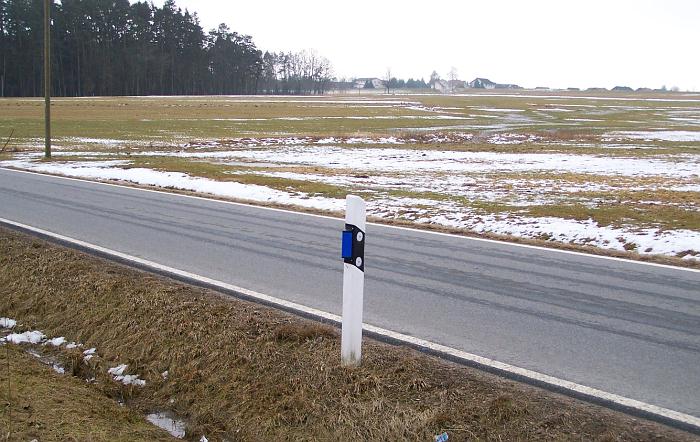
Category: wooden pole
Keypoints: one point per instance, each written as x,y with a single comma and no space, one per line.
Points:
47,78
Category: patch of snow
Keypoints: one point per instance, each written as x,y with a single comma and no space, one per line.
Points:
488,109
89,354
661,135
56,342
7,323
183,181
101,141
130,379
30,337
512,139
118,371
414,160
119,376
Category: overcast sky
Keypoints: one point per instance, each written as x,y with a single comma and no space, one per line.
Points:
555,43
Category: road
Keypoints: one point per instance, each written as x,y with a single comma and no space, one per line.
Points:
618,326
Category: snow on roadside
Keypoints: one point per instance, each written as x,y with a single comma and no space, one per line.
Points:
119,376
7,323
110,170
416,167
89,354
30,337
36,337
56,342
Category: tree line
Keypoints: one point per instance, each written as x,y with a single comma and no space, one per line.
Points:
112,47
295,73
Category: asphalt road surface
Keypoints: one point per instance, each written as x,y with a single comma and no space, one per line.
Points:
622,327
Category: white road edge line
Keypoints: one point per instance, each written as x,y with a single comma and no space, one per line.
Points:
438,348
384,226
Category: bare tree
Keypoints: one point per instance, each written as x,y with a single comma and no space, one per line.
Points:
453,76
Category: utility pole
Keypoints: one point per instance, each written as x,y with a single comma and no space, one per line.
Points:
47,78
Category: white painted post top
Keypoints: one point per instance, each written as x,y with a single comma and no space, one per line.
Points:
356,212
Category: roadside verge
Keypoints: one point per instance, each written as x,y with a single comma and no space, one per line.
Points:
240,370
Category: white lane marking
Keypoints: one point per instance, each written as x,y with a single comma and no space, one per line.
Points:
385,226
453,352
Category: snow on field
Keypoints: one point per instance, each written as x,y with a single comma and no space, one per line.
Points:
507,138
580,232
452,137
588,232
492,109
100,141
411,161
661,135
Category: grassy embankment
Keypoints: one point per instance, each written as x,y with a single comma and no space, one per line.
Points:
241,371
47,406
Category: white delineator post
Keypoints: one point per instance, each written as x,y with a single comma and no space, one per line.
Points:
353,280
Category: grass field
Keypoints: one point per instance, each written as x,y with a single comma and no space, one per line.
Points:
619,172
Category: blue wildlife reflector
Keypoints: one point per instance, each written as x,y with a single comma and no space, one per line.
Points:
347,244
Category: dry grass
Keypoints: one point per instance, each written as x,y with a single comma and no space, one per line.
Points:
46,406
246,372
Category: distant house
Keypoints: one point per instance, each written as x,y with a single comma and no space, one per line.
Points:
573,89
485,83
482,83
542,88
645,89
596,89
622,89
